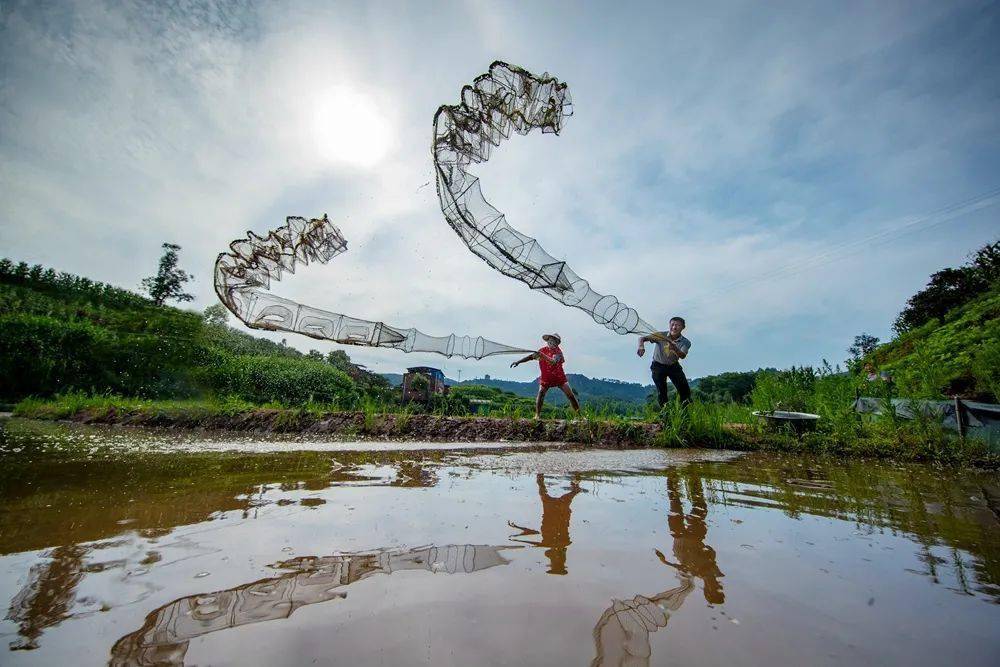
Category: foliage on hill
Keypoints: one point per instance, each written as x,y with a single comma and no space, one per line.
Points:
60,332
951,288
958,354
498,402
726,387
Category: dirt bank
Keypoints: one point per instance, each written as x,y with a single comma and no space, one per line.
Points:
386,426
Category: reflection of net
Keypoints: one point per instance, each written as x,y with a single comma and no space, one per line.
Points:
509,99
243,276
164,637
622,633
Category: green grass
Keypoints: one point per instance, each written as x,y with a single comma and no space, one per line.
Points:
711,425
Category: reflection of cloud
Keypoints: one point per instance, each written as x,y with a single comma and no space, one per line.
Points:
163,638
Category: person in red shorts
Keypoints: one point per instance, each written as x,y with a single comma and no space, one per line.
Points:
550,360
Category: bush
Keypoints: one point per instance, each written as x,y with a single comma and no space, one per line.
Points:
784,390
986,369
43,356
284,379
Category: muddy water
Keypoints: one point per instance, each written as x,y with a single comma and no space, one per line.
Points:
114,549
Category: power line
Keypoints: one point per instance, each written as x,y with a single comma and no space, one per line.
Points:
847,248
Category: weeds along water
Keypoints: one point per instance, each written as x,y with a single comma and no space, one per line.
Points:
725,425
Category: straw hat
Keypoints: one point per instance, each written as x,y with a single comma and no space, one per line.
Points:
552,337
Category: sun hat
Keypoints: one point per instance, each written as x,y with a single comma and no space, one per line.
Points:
557,337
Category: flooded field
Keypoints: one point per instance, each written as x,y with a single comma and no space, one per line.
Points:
146,548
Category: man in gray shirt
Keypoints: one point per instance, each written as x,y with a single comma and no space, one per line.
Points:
670,348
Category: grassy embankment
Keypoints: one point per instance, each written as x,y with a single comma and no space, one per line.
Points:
724,426
70,348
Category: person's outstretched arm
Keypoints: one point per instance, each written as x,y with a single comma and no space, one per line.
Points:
530,357
642,344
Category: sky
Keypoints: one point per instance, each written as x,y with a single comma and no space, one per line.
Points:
776,173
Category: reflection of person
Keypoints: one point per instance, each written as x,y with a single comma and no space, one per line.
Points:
47,599
555,525
670,348
694,557
621,636
550,361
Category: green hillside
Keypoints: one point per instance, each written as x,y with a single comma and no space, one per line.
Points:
60,332
958,354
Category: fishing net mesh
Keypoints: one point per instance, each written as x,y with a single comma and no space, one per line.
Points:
509,99
506,99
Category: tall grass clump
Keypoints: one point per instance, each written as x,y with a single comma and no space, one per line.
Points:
699,424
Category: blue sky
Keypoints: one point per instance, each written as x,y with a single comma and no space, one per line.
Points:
712,144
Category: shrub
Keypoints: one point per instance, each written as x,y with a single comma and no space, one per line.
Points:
285,379
986,369
43,356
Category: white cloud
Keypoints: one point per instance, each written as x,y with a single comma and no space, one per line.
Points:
710,145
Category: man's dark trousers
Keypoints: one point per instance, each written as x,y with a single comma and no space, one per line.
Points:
676,374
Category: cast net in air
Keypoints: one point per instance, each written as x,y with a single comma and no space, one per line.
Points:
509,99
243,279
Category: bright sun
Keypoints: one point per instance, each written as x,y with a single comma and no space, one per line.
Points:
348,127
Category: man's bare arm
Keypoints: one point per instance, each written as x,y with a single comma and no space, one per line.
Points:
530,357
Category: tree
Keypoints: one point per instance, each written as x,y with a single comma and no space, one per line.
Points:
864,344
314,355
950,288
419,382
169,280
339,359
216,315
726,387
986,262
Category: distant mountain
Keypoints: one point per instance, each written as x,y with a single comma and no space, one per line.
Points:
395,379
588,389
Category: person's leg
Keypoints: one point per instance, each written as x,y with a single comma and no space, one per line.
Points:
571,396
680,381
539,400
660,380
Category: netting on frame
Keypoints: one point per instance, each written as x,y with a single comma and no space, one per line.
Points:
165,635
243,279
504,100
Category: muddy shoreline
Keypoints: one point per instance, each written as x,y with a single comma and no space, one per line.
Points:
431,428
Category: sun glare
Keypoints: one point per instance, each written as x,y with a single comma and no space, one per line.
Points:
348,127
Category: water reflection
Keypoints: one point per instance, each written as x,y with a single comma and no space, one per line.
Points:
621,636
693,557
554,531
49,595
164,637
951,515
748,518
